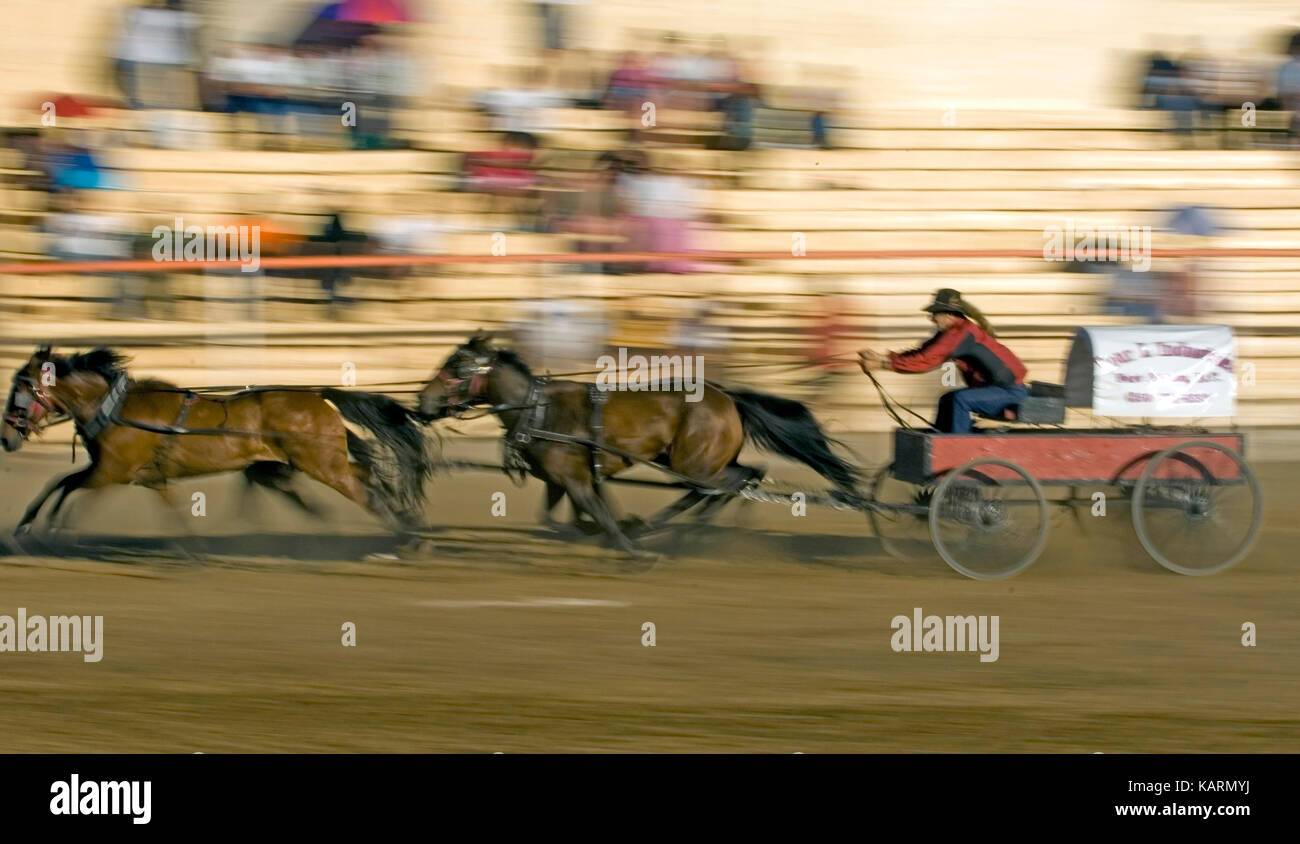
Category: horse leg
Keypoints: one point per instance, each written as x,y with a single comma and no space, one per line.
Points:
578,526
554,492
681,505
63,486
737,476
276,477
584,496
63,496
354,483
175,509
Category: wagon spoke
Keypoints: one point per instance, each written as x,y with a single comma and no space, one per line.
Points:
1197,507
988,519
899,520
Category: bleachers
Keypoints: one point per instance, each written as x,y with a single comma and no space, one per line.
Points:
980,175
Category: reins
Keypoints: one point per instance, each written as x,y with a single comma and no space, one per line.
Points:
890,405
462,412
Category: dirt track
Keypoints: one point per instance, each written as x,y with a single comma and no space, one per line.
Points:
772,636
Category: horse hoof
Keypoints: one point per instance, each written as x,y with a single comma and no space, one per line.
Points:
641,561
563,531
416,549
634,526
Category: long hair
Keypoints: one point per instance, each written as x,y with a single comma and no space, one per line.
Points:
977,315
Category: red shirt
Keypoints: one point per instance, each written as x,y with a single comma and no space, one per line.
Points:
501,167
983,361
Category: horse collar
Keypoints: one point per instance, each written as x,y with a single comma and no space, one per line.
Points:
534,413
106,414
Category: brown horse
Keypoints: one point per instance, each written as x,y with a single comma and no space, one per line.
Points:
699,440
148,432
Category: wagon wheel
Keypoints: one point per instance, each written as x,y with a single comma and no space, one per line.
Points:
900,522
1197,507
988,519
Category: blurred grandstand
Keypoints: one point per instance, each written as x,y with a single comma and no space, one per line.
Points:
509,128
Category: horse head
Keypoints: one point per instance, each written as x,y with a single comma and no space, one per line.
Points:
473,375
30,403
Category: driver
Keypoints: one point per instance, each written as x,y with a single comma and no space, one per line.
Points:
994,376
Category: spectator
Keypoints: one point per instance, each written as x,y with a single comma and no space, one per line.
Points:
830,337
722,69
380,78
66,165
522,108
631,84
1132,293
337,240
553,20
738,108
662,207
562,334
154,54
593,213
406,233
582,80
1193,223
1288,88
76,234
1166,86
818,127
508,172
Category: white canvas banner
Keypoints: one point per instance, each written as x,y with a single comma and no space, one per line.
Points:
1164,370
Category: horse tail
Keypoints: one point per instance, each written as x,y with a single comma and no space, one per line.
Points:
787,427
390,444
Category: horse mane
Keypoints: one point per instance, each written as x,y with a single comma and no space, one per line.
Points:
511,358
107,364
101,361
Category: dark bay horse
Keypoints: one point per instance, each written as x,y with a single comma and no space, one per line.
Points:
129,427
698,439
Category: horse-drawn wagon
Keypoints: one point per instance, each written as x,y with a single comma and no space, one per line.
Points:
979,501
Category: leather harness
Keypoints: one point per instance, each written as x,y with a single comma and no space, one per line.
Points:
106,413
528,427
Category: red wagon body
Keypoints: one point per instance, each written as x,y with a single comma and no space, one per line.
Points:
1052,457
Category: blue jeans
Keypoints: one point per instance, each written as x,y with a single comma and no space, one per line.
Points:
956,407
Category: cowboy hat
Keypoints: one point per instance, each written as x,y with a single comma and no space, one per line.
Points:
947,301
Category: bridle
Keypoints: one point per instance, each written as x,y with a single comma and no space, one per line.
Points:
18,409
464,391
464,388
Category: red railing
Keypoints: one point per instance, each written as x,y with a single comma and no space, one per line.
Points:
307,262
